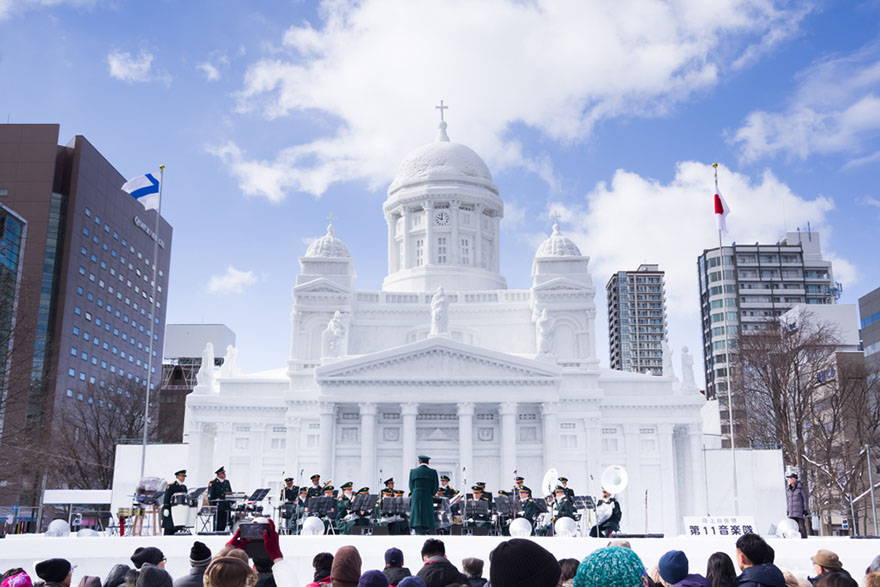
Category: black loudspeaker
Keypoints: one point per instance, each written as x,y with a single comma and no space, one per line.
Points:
636,536
462,531
380,530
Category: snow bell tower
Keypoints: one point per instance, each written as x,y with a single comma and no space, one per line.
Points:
443,214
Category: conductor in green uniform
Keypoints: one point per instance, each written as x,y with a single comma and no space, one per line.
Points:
423,484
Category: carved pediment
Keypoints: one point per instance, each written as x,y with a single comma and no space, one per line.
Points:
560,283
320,286
437,360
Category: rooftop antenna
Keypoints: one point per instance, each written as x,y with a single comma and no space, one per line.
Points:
809,231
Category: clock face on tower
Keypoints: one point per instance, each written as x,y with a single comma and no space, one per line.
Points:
441,218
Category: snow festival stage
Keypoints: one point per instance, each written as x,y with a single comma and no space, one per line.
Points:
95,555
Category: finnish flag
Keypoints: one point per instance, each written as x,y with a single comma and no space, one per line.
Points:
144,189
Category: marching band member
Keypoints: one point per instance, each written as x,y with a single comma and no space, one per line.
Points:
315,490
288,506
176,486
288,492
343,507
519,485
568,490
564,505
528,508
612,524
446,489
478,496
363,516
486,494
217,490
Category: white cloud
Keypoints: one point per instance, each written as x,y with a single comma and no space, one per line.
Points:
373,70
234,281
634,220
134,69
835,109
9,7
212,74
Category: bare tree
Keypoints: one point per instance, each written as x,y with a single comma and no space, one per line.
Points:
98,419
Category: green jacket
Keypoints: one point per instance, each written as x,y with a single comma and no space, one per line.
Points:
423,484
565,509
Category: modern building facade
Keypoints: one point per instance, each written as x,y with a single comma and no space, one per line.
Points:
637,320
444,360
13,233
747,286
85,318
181,362
869,313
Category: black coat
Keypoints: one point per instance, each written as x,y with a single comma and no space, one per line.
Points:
766,575
396,574
439,572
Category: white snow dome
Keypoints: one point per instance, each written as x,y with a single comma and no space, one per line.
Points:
558,245
442,161
327,246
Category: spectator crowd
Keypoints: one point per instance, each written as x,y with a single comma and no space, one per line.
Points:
516,562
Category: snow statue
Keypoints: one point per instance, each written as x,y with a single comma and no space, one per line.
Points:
230,360
439,313
205,376
668,370
687,370
544,333
333,337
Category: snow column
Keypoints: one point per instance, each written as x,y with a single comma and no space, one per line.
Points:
508,441
408,413
328,412
465,441
368,442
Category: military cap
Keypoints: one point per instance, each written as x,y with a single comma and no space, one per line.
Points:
288,479
315,476
520,479
303,489
559,488
525,490
444,477
347,485
389,480
477,488
364,491
481,484
502,492
563,479
424,459
180,472
220,470
328,488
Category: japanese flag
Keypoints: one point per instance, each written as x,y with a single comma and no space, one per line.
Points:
721,212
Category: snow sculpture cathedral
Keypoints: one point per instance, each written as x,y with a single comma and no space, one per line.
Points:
445,360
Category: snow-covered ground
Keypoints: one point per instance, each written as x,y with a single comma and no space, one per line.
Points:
95,555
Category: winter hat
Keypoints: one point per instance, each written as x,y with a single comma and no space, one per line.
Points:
521,562
90,581
150,554
393,557
373,579
346,569
874,566
199,554
673,566
53,570
18,580
116,576
827,559
152,576
612,566
412,582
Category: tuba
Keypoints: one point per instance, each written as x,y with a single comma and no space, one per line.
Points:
548,484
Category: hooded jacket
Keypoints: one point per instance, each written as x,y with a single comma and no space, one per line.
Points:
396,574
766,575
439,572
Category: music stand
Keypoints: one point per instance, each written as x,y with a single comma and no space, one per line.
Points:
259,494
584,502
364,503
442,512
196,493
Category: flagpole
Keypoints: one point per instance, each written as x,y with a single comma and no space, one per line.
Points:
727,352
152,330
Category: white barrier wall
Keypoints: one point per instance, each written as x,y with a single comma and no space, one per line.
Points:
761,485
162,460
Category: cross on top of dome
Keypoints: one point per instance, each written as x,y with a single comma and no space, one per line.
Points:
442,136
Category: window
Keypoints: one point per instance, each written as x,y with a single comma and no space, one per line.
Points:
465,251
441,250
279,444
241,443
420,252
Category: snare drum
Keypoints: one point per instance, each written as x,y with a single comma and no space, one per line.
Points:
287,511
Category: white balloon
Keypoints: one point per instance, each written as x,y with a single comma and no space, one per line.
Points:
58,528
312,526
787,528
565,527
520,528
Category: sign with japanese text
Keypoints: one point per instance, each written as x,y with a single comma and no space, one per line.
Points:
718,525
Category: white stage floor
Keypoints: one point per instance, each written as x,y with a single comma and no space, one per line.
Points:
95,555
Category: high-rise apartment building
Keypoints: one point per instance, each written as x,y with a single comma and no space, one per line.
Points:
637,319
85,310
869,314
747,286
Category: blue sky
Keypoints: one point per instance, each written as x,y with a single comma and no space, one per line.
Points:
271,115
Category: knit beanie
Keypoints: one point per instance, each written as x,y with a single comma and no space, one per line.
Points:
199,554
522,563
612,566
150,554
412,582
373,579
673,566
346,569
